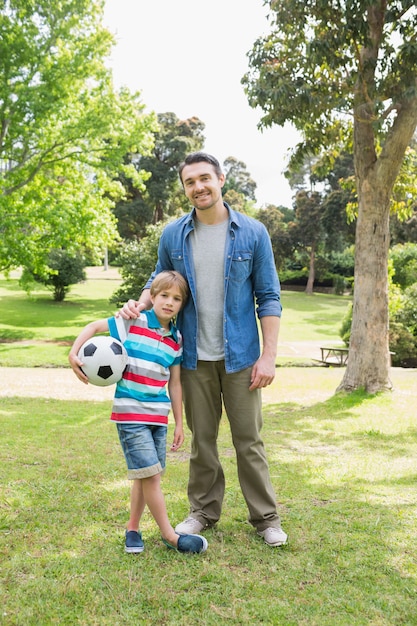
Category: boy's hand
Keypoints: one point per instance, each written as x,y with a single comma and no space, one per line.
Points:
76,364
178,438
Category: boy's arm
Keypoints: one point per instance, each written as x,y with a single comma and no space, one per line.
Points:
175,394
100,326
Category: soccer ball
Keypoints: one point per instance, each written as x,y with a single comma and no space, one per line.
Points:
103,360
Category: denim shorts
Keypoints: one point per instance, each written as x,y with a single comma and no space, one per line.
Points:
144,447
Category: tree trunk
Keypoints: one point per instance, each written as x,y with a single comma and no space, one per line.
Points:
311,272
368,365
158,215
369,359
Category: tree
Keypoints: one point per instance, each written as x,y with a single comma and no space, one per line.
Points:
173,140
273,219
307,229
63,271
137,261
63,131
345,71
238,178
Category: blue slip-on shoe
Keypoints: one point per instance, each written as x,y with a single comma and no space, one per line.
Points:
191,544
134,542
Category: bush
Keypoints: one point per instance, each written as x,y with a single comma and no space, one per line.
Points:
339,284
299,277
404,346
62,271
137,261
408,314
404,260
346,325
402,342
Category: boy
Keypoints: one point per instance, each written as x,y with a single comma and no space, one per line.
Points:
141,405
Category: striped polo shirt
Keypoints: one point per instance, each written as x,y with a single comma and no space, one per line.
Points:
141,395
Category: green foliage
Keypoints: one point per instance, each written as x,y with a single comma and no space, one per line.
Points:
332,282
404,260
344,74
343,263
279,232
346,325
403,344
64,131
408,313
238,178
307,69
137,261
158,197
63,270
402,325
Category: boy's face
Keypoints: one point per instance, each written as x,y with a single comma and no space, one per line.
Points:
167,304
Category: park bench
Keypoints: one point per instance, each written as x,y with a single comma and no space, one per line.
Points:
334,356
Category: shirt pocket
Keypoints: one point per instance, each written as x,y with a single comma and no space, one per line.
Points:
241,266
177,260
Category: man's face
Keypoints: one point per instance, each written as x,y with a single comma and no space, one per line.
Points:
202,186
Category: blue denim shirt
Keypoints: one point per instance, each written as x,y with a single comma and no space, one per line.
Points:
250,280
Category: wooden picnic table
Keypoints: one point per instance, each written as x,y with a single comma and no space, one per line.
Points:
334,356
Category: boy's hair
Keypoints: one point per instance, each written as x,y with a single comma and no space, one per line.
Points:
198,157
167,279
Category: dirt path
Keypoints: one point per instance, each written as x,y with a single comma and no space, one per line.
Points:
57,383
61,383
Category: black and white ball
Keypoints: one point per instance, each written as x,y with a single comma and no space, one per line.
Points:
103,360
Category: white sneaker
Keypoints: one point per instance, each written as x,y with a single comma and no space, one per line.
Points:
189,526
273,536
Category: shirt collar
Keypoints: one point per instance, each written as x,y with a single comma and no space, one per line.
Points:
233,215
153,322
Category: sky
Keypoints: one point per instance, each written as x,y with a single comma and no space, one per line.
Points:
188,57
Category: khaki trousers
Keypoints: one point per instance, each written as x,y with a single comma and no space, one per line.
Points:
205,390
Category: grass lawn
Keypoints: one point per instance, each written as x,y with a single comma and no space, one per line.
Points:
345,475
343,466
315,317
36,331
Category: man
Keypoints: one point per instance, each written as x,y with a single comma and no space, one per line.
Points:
227,260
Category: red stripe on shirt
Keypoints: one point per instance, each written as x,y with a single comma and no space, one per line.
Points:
143,380
135,417
148,332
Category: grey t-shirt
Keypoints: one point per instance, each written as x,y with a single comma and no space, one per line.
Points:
208,247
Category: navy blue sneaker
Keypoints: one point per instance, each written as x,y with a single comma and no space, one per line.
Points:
192,544
134,542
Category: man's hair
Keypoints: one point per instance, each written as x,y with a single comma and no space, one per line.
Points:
168,279
198,157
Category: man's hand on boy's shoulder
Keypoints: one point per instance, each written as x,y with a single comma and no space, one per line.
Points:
131,310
